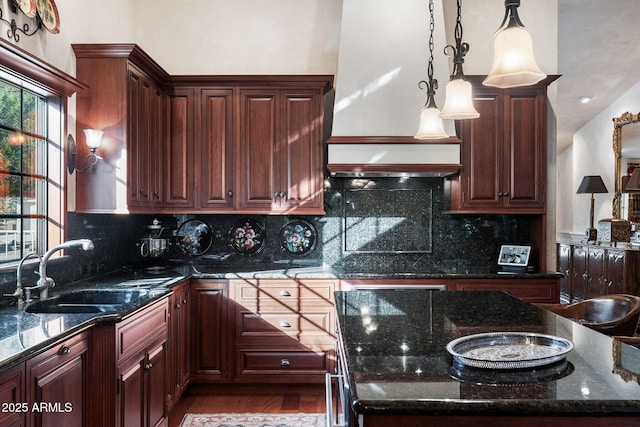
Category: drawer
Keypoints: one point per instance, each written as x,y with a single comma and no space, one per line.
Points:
260,325
136,332
290,293
260,362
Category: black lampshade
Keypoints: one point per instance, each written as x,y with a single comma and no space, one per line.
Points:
592,184
633,184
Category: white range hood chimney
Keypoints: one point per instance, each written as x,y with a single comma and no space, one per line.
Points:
383,54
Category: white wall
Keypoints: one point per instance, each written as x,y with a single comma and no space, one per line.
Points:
593,155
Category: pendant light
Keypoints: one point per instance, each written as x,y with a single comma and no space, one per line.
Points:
458,103
430,122
513,61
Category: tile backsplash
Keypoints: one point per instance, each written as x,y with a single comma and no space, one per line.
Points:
371,225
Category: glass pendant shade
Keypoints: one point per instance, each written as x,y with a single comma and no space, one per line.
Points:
458,104
513,61
431,126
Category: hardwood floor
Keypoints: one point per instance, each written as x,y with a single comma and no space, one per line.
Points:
274,398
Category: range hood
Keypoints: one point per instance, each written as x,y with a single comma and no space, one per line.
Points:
377,99
393,157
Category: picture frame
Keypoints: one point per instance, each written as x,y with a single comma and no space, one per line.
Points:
514,257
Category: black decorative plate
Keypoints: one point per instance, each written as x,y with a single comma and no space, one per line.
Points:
247,236
298,237
194,237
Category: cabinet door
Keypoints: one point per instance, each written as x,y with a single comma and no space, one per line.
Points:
596,280
216,156
144,147
178,342
155,376
178,166
210,344
301,153
482,140
580,274
615,272
57,383
131,394
523,179
258,150
12,392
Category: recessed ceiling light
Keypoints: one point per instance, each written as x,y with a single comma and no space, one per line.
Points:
584,99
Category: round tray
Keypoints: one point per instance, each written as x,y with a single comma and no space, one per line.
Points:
247,236
298,237
194,237
501,377
508,350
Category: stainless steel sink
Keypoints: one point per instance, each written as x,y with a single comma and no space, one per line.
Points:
87,301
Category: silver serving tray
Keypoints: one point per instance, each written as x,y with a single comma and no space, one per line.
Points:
508,350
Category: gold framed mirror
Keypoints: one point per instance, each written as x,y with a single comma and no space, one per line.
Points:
626,150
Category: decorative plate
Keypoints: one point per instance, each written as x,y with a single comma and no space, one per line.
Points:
247,236
298,237
28,7
49,15
194,237
508,350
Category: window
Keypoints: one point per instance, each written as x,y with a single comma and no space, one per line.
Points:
23,169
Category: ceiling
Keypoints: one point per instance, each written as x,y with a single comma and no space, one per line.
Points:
598,56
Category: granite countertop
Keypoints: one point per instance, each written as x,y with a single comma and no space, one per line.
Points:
22,333
394,346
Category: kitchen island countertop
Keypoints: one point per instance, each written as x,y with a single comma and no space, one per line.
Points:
393,346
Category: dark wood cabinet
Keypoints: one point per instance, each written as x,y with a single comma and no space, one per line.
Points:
12,394
124,100
281,149
285,330
211,346
503,152
179,341
129,367
178,158
540,290
595,270
57,384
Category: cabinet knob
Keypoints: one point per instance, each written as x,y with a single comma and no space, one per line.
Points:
155,195
284,324
148,366
64,350
143,193
285,293
230,194
285,362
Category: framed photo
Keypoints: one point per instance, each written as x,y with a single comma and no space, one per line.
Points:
514,256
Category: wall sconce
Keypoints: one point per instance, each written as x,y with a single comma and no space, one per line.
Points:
458,104
93,139
513,61
430,122
592,184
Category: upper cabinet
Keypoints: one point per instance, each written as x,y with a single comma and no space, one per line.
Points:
124,99
503,151
198,144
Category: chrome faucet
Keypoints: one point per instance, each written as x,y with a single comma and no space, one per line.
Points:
18,293
44,283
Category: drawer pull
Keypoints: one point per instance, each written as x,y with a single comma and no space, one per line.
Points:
285,293
284,324
285,362
64,350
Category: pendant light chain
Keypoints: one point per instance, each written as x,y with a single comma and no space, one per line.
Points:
432,84
461,49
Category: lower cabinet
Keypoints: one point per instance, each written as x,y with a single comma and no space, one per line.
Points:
129,369
12,397
179,341
210,343
531,290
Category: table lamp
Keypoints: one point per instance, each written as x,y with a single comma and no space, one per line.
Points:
592,184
